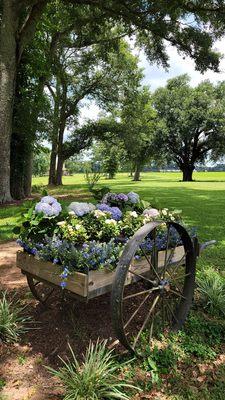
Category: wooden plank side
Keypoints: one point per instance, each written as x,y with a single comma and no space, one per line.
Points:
76,283
178,254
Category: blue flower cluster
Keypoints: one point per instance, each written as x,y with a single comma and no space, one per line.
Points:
115,212
27,247
97,255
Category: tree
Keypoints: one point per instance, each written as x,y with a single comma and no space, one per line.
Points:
109,153
152,22
194,122
41,162
139,126
90,73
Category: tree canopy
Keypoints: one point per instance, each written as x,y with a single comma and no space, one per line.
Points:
194,122
192,27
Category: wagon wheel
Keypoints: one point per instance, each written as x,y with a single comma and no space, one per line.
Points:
163,284
42,291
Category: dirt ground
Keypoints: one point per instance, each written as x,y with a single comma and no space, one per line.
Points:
22,366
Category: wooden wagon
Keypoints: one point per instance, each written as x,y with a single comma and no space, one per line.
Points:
151,290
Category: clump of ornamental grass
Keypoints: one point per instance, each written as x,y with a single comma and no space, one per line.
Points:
211,286
96,378
12,321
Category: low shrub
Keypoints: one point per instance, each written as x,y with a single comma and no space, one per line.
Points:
211,286
94,379
12,321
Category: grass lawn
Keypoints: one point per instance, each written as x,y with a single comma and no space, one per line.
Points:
202,202
191,364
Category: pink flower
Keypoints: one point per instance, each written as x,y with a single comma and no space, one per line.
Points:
151,212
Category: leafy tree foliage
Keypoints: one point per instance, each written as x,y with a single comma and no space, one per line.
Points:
40,164
139,126
191,26
194,122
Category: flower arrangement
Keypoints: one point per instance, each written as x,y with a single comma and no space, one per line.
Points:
86,236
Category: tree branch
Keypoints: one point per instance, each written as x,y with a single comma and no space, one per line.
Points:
27,30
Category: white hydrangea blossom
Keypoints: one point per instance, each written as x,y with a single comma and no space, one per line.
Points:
48,200
81,209
48,209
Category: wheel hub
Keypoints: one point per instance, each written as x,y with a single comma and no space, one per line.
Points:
164,285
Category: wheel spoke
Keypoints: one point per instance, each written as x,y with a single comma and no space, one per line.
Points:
136,311
172,313
146,320
141,276
177,264
167,245
140,293
150,263
178,294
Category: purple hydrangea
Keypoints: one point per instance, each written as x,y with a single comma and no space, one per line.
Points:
104,207
121,197
115,198
115,212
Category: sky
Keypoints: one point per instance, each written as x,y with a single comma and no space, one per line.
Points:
155,76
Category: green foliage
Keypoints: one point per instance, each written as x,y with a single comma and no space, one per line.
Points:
100,192
139,127
2,383
211,286
92,176
95,379
192,122
12,322
41,163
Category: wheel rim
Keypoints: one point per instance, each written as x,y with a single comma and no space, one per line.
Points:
163,282
41,290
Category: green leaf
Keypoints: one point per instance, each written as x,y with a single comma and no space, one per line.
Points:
16,230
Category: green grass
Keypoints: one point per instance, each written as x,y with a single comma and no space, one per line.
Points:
202,202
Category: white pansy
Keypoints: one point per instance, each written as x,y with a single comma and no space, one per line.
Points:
71,213
99,213
78,226
61,223
133,214
110,221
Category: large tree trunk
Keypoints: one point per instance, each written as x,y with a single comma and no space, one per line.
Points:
27,183
8,66
52,169
137,172
59,170
187,172
60,161
62,126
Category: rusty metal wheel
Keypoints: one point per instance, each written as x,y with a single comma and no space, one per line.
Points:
153,290
41,290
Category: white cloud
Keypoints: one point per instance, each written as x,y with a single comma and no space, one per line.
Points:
156,76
